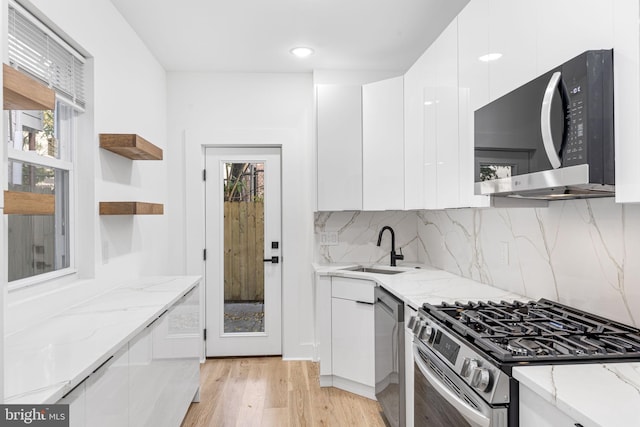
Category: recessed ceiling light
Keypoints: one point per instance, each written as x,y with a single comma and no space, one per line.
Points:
301,52
490,57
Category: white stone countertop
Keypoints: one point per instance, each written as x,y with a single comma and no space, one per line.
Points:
48,359
420,284
592,394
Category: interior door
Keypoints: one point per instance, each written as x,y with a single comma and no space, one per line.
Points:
243,251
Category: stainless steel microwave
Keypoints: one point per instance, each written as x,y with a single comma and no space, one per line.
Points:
551,138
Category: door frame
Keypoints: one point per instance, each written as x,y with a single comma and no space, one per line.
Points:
247,152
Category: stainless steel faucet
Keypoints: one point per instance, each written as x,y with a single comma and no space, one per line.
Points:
394,257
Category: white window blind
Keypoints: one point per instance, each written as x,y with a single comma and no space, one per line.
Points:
38,51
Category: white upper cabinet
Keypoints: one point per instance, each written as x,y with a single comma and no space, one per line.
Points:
431,126
569,27
512,33
626,63
339,155
432,153
383,145
473,87
429,131
448,167
473,46
417,79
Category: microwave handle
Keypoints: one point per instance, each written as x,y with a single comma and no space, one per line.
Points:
461,406
545,120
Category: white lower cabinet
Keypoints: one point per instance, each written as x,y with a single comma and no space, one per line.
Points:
345,330
323,328
76,399
353,335
537,412
353,341
144,382
177,345
151,380
107,393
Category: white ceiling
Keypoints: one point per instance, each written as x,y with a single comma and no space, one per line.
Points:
256,35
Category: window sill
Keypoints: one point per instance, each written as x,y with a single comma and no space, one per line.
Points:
40,279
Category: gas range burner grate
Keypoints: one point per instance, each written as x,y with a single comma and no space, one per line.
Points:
538,330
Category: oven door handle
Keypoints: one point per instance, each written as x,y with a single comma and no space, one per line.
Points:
469,413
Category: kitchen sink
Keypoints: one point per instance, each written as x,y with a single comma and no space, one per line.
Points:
374,270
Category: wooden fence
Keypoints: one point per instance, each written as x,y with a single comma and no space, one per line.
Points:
243,251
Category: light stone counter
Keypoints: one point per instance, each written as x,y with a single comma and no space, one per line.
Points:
420,284
47,359
592,395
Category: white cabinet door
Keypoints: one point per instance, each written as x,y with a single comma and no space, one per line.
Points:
579,24
512,33
537,412
353,341
430,105
432,163
77,405
339,137
473,82
447,117
473,44
146,381
383,145
626,59
177,344
107,394
323,325
415,80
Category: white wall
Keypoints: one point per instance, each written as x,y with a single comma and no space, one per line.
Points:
220,108
129,96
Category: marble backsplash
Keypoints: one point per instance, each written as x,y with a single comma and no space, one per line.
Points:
583,253
358,234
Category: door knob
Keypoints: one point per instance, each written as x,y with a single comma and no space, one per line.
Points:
272,260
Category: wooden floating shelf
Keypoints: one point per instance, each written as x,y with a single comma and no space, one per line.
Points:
23,203
130,145
21,92
131,208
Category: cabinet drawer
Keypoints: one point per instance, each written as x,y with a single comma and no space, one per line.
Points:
352,289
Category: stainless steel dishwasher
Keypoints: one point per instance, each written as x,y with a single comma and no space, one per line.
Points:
389,357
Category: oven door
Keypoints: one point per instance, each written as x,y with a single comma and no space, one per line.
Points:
442,399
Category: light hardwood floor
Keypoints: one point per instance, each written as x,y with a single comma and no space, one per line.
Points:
267,391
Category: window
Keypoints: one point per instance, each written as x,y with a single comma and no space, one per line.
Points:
39,154
40,150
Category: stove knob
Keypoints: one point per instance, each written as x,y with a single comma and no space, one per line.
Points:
430,333
420,331
481,379
468,366
417,326
412,322
425,332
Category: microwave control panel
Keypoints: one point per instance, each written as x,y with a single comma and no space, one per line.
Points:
575,148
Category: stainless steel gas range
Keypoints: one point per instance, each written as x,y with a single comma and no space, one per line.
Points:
464,354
